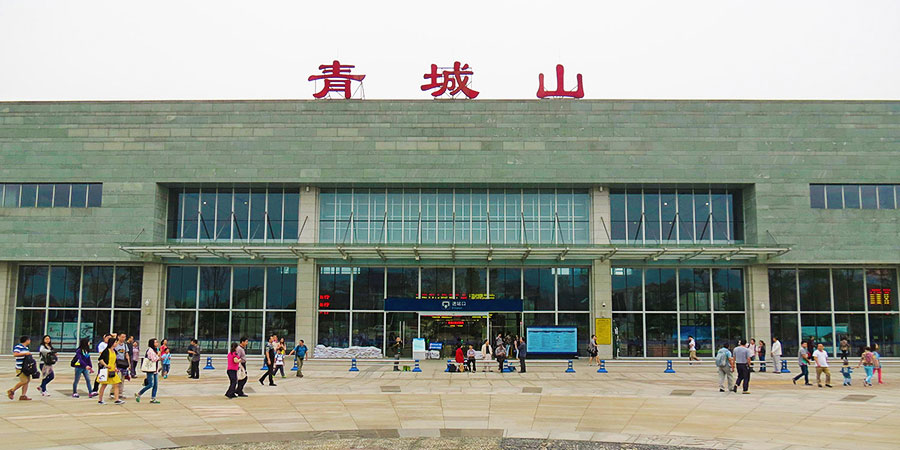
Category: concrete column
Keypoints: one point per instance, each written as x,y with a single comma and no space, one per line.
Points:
601,299
307,303
153,301
7,304
758,323
309,215
600,215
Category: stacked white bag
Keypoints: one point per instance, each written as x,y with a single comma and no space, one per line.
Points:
323,352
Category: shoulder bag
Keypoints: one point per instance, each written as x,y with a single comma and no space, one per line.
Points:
148,365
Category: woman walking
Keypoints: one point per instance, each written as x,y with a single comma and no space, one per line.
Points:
761,351
486,355
878,363
48,359
82,364
150,369
107,363
165,358
592,350
234,364
867,361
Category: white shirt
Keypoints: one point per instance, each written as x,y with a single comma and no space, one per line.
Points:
821,357
776,348
100,347
692,346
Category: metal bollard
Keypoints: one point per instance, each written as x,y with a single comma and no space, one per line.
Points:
209,365
784,368
602,368
762,366
506,368
417,369
295,368
449,361
265,365
570,369
669,368
353,367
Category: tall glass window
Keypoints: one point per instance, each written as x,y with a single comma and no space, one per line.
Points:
233,214
70,302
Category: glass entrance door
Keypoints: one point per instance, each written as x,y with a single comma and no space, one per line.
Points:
453,331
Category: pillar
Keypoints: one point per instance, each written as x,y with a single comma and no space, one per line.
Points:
7,304
759,326
309,215
306,324
600,215
601,297
153,301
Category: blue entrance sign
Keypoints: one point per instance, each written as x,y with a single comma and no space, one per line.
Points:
435,346
467,305
552,340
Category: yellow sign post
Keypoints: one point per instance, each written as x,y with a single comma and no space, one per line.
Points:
604,331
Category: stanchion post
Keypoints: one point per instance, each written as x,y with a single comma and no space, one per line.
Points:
784,368
265,365
669,368
295,368
353,367
417,369
570,369
209,365
506,368
602,368
449,361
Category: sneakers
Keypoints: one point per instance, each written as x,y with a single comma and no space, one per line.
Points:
101,402
721,390
795,381
807,384
137,398
92,395
154,401
828,385
75,395
745,392
120,402
45,394
243,395
24,398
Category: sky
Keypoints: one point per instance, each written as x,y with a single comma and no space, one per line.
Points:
639,49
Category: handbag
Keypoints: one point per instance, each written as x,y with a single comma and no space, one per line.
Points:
241,373
148,366
103,374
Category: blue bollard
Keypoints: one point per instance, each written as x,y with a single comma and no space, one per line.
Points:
295,368
784,368
506,368
570,369
417,369
265,365
449,361
353,367
602,368
762,366
209,365
669,368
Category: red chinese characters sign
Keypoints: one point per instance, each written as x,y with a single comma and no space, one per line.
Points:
337,79
560,90
451,82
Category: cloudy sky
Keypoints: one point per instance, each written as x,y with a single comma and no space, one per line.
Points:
104,50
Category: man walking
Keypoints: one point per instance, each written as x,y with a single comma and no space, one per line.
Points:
241,352
725,367
692,350
299,353
776,355
193,351
803,360
270,361
821,357
742,359
522,351
20,351
397,347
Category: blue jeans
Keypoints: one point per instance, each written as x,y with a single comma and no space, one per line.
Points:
870,370
79,371
50,376
151,383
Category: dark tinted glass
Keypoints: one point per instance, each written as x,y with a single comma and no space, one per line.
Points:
660,289
45,196
61,195
334,288
368,288
32,289
851,196
29,196
814,290
817,196
281,287
573,286
506,282
539,292
834,196
886,197
65,282
129,282
869,197
630,340
97,286
95,195
215,284
181,291
783,289
79,196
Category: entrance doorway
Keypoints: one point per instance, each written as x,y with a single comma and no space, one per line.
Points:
454,330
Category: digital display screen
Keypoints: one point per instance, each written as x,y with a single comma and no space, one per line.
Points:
555,340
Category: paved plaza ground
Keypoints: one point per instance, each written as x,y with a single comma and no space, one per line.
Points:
634,404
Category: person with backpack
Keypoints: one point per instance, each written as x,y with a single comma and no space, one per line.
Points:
150,367
48,360
592,350
81,362
109,374
725,367
25,367
867,361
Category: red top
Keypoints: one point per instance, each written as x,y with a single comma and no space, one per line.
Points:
459,355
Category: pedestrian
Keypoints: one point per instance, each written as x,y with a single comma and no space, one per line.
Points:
25,367
867,361
752,346
846,371
299,353
743,358
109,374
776,355
845,348
592,350
803,361
470,358
821,358
397,348
241,352
498,342
82,364
761,351
123,357
486,355
165,358
692,351
522,353
234,364
459,358
725,367
104,342
500,353
48,360
877,363
193,352
279,358
271,348
135,354
150,366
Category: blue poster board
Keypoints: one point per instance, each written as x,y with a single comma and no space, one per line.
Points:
552,340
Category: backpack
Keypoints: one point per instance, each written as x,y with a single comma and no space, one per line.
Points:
50,359
722,359
869,358
29,366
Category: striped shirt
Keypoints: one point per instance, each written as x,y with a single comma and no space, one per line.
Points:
19,348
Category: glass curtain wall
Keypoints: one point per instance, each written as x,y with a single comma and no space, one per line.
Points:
656,309
218,304
351,299
454,216
683,216
72,302
234,214
827,304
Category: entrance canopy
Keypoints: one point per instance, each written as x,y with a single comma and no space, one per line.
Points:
387,253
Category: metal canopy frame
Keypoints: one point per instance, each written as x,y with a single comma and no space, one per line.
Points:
387,253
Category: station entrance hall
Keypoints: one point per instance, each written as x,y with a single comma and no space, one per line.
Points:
351,223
